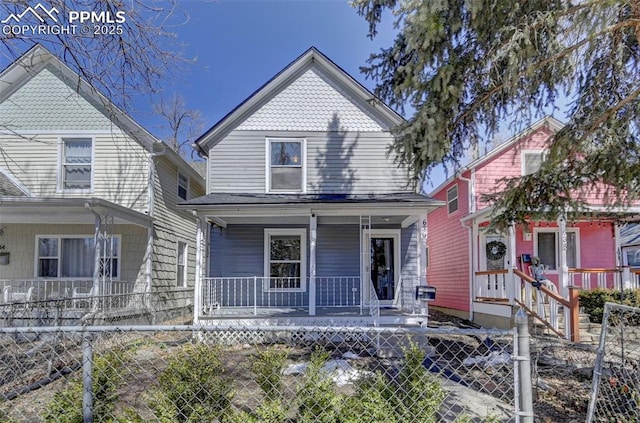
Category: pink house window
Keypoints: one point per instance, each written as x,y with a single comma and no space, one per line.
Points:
452,199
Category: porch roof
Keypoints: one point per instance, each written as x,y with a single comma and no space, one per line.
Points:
66,211
232,199
601,213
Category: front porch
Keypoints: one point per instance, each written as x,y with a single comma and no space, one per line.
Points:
279,256
339,300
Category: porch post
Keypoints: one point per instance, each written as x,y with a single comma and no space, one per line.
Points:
563,273
197,288
618,244
97,255
475,265
511,263
313,226
422,251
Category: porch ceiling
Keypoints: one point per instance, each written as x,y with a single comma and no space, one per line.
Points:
66,211
304,220
403,208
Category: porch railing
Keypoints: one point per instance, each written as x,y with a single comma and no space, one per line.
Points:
255,292
590,279
29,290
491,284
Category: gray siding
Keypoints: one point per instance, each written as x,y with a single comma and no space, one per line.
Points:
337,162
338,250
237,251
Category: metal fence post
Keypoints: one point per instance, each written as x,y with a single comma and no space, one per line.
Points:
87,378
525,393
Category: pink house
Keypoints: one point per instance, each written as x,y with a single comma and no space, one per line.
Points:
480,274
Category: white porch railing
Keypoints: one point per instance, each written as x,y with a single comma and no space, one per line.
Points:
491,284
255,292
27,290
590,279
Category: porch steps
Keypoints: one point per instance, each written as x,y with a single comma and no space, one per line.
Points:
589,332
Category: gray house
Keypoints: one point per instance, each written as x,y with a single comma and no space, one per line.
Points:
306,212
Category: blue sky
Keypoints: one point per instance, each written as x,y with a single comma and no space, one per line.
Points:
239,45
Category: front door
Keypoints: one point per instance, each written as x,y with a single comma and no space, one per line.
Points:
383,266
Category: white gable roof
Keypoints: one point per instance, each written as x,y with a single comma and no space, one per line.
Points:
308,95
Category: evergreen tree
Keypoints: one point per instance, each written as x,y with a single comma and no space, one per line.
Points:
466,67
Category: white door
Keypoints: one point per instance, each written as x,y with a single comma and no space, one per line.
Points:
493,252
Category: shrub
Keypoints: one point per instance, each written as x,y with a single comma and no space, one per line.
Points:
192,388
267,368
413,395
318,400
593,301
66,406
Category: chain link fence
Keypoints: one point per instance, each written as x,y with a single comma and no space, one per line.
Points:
143,308
615,392
256,374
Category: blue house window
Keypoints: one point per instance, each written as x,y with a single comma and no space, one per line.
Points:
285,259
286,165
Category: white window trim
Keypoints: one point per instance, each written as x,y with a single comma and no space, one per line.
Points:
302,232
303,153
536,231
185,271
457,199
523,153
36,256
178,185
60,183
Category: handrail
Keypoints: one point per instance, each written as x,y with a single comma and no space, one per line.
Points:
593,270
492,272
542,288
573,305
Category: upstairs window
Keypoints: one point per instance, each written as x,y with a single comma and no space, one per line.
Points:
76,163
286,165
183,186
452,199
531,162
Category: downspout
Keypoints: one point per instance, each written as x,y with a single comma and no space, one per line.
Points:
151,212
471,208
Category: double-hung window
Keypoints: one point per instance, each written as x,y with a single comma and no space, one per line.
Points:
181,269
531,161
285,259
74,257
183,186
77,164
452,199
547,244
286,165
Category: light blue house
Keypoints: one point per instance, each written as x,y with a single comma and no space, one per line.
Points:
306,212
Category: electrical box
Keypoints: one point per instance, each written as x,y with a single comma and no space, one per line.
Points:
425,293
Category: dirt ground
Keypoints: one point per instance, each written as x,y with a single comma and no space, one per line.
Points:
561,374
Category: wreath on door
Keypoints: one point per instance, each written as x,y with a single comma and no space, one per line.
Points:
496,250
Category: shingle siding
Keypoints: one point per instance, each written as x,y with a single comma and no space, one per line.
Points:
313,102
49,103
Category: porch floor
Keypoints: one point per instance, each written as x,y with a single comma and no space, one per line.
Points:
292,315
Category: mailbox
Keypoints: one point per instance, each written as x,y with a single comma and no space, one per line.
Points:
425,293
